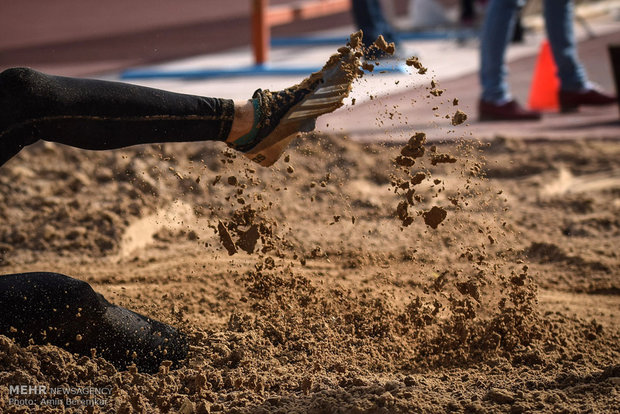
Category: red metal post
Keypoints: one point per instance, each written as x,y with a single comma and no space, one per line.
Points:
260,31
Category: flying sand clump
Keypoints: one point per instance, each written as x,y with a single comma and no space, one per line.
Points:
412,151
415,147
245,234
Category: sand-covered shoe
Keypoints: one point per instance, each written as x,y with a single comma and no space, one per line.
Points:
280,116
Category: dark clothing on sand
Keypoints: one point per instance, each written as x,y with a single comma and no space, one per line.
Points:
50,308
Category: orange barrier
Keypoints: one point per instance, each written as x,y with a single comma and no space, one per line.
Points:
545,83
264,17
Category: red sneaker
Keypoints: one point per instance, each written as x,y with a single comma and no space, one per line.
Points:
571,101
510,111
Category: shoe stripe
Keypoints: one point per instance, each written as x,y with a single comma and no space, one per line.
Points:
314,101
307,113
331,89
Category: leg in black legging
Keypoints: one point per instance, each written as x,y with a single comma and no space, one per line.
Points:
44,308
98,115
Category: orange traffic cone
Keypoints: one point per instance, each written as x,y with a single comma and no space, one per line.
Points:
545,84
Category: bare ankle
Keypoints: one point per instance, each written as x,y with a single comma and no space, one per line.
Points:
243,120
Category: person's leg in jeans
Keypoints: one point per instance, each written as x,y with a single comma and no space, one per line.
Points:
559,26
495,36
496,102
575,89
369,17
100,115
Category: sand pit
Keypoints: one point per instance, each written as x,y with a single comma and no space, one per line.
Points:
429,277
488,312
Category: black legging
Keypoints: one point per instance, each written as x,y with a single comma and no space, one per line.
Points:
44,308
98,115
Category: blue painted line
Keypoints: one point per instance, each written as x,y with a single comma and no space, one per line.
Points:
254,70
339,40
440,35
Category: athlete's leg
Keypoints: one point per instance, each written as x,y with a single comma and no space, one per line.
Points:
97,115
43,308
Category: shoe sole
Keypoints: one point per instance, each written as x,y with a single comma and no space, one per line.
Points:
333,86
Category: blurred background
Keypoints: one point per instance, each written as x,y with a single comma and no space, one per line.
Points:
103,39
90,36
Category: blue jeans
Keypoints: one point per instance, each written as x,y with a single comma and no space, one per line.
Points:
497,31
369,17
